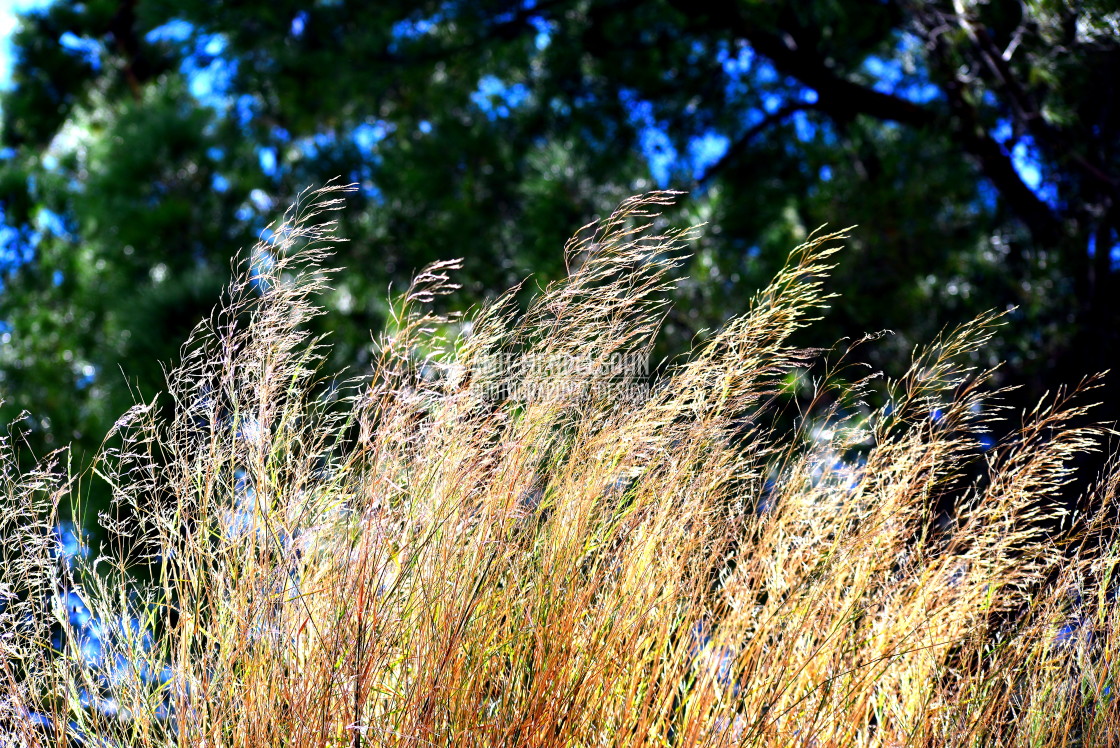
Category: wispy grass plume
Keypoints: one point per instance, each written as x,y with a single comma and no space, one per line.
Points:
511,532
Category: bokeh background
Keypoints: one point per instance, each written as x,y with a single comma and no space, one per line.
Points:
144,142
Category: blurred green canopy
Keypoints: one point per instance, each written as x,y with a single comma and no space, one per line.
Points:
144,142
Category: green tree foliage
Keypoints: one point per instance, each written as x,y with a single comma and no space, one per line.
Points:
145,141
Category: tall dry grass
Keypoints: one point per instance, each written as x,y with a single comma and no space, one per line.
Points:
483,542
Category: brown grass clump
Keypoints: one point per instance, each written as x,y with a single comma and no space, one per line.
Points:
506,535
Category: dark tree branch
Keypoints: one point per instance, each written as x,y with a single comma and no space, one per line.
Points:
994,161
740,144
838,96
843,99
122,27
1026,108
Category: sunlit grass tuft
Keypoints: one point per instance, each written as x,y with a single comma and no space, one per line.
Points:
488,541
